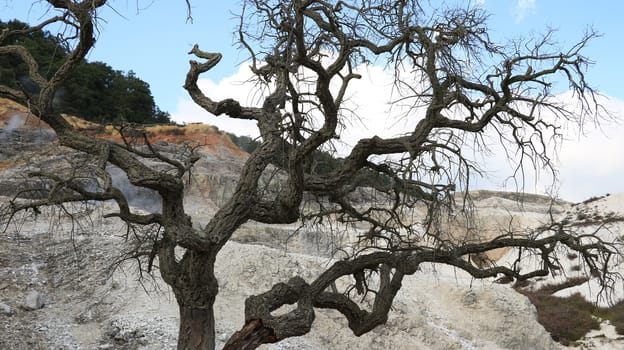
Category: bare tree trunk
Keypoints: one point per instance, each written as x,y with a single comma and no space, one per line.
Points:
197,328
195,287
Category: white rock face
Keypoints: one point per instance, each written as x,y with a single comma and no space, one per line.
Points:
431,312
437,308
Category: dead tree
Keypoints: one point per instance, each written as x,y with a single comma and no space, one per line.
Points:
305,54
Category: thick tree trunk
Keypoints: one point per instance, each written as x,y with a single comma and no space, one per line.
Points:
195,287
195,294
197,328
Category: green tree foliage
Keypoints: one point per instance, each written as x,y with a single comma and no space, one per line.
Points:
47,50
96,92
245,143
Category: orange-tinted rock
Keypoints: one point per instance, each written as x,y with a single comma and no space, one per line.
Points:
209,138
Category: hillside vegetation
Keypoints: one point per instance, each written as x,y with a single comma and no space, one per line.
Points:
96,91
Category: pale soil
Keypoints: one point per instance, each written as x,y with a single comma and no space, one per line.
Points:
86,310
438,308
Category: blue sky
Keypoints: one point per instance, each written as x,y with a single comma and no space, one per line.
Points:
152,38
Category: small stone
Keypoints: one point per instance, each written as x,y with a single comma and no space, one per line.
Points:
5,309
33,301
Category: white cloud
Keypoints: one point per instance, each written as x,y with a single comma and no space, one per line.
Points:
589,165
593,164
234,87
368,98
524,7
589,162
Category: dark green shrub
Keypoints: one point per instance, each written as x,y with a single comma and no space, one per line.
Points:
566,319
615,314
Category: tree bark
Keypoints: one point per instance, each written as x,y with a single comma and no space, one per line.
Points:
250,337
197,328
195,287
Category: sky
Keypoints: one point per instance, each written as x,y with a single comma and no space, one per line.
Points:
152,38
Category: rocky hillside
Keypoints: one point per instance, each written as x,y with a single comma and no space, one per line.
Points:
27,144
57,290
77,307
15,121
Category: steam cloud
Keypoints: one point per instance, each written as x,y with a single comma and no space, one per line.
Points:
138,197
14,122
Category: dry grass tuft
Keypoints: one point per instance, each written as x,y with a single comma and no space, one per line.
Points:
568,319
7,105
